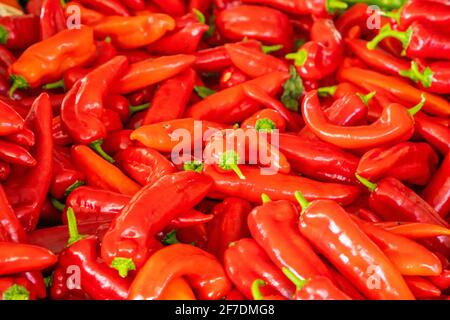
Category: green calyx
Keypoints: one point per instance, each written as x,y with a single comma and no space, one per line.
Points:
17,82
58,205
141,107
304,204
170,238
74,235
48,281
123,266
335,5
199,15
366,98
4,34
265,125
425,78
265,198
55,85
256,291
383,4
269,49
73,186
97,147
395,15
326,91
196,166
229,161
412,111
299,283
292,90
386,32
212,26
203,92
16,292
369,185
299,57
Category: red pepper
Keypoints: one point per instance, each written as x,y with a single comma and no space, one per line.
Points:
265,119
24,138
260,23
415,230
318,159
116,141
277,187
356,15
19,32
148,72
6,56
257,294
123,252
18,257
65,177
442,281
228,225
172,7
233,105
10,121
395,124
402,90
406,161
171,98
433,132
52,18
245,261
144,165
111,7
394,201
418,41
320,57
273,225
15,154
59,134
121,106
434,78
437,192
333,233
27,187
231,77
5,170
318,8
206,275
422,288
135,4
16,288
88,17
82,108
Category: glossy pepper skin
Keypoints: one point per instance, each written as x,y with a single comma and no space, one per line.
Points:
228,225
178,197
10,120
134,32
144,165
437,192
434,132
52,19
407,93
273,225
47,60
434,77
318,8
258,119
82,108
395,124
407,161
27,187
111,7
277,187
245,261
206,275
333,233
414,230
392,200
318,159
15,154
260,23
321,56
19,32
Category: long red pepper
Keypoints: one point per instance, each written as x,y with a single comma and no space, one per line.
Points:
436,134
437,192
435,76
113,7
19,32
52,18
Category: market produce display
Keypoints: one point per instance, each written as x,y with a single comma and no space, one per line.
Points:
224,149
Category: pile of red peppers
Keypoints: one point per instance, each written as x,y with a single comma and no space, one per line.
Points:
92,93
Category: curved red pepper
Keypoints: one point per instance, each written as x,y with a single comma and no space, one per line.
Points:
19,32
10,121
437,192
435,133
318,8
52,18
15,154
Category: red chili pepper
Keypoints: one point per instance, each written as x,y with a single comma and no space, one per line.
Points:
15,154
356,15
318,8
135,4
245,261
392,200
171,98
27,187
10,121
121,106
433,132
206,275
418,41
172,7
19,32
5,170
144,165
333,233
321,56
318,159
402,90
437,192
230,77
260,23
406,161
24,138
434,78
6,56
111,7
116,141
100,173
277,186
422,288
384,131
16,288
122,252
265,119
257,294
52,18
88,17
148,72
229,224
415,230
442,281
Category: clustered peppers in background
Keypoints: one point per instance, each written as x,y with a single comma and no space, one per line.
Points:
357,205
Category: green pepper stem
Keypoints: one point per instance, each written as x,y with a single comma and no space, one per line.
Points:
269,49
265,198
299,283
123,266
386,32
196,166
366,98
74,235
412,111
299,57
55,85
425,78
265,125
392,14
369,185
170,238
335,5
58,205
326,91
4,34
141,107
16,292
18,82
256,291
304,204
199,15
229,161
73,186
97,147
